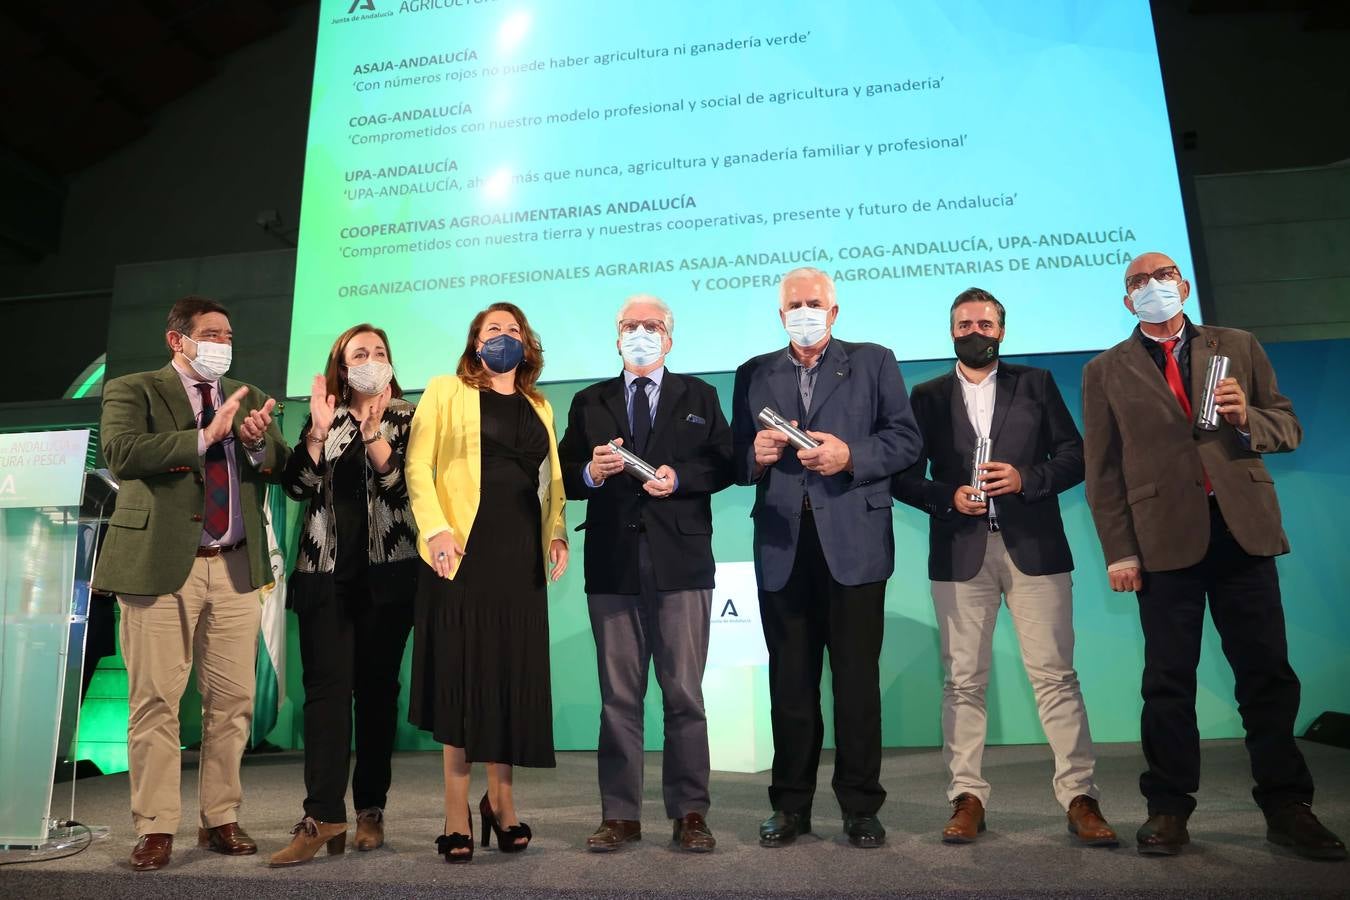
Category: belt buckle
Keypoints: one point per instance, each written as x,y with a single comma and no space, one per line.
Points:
211,552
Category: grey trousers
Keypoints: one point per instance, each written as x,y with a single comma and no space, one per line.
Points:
633,631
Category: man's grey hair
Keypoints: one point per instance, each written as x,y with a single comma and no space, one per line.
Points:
646,300
812,272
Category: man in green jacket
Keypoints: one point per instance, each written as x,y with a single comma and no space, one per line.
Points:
186,554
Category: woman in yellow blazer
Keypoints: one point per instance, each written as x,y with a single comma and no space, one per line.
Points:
487,495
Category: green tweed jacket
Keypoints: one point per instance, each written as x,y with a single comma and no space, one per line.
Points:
149,439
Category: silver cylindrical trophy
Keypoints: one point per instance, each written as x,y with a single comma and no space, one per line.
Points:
1207,416
796,437
979,457
635,465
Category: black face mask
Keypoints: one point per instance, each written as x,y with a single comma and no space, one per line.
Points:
976,350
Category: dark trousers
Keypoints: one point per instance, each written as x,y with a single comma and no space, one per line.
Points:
669,628
350,648
1244,601
811,613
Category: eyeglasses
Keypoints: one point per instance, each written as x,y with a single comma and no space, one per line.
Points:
629,326
1139,279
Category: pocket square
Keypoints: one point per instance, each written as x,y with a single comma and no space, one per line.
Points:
696,420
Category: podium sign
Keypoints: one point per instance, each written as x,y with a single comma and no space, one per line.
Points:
736,681
42,470
41,479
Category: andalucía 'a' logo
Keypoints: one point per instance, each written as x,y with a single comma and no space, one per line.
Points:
361,4
730,609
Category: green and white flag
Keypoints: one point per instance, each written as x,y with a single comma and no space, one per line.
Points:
270,687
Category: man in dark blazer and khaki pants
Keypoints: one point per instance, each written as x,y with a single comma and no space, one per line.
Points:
1012,547
186,554
1186,515
649,568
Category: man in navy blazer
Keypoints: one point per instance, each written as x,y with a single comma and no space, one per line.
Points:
823,547
649,568
1012,546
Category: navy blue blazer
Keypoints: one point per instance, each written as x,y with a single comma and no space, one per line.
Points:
1033,431
860,398
689,434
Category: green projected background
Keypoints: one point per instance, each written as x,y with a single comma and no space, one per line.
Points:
565,156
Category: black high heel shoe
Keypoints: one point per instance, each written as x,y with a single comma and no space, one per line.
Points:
507,838
447,844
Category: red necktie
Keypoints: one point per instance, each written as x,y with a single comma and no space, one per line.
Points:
1172,372
216,516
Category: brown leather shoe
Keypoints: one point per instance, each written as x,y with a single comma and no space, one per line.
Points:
370,828
1088,824
967,820
228,839
693,834
152,852
310,835
1294,825
1162,835
613,834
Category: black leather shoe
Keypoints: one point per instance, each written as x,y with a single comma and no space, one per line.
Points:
864,830
1162,835
782,828
1295,826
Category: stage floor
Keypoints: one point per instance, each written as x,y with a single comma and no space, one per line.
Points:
1026,852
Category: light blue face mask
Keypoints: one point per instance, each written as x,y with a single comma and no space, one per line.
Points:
640,347
1157,301
806,325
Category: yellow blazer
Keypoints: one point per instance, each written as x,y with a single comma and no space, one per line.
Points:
444,466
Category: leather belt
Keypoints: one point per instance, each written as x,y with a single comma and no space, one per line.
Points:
211,552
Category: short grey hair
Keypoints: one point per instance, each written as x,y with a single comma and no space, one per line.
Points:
646,300
808,272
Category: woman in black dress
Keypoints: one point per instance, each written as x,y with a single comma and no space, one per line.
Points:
352,589
486,491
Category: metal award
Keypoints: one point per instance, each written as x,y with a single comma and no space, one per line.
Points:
635,465
978,458
796,437
1207,415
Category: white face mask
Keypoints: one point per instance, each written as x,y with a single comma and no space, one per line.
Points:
807,325
370,378
1157,301
213,359
640,347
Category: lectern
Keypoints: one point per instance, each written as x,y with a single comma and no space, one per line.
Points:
48,544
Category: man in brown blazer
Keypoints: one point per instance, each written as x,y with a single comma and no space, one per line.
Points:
185,554
1183,515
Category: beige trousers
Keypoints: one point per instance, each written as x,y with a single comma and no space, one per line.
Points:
213,619
1042,612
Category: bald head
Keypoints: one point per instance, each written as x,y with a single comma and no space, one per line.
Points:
1146,263
1147,268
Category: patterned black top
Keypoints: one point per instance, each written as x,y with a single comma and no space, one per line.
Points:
390,533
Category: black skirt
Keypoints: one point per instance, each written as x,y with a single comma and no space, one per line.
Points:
480,670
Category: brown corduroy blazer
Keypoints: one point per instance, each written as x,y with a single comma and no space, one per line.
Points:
1146,461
